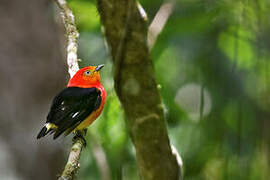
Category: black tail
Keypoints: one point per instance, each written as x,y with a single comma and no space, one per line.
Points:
43,132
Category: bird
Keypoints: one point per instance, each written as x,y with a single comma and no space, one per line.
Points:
77,106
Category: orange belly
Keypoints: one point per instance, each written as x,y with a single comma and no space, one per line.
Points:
94,115
89,120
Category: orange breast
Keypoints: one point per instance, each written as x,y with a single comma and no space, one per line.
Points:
94,115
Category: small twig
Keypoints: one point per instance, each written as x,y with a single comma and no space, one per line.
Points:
100,157
67,16
142,11
159,22
179,160
72,35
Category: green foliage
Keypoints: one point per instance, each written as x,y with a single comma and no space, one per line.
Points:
222,47
86,15
236,43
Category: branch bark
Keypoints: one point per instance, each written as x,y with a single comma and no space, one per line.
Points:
72,164
126,33
159,21
72,34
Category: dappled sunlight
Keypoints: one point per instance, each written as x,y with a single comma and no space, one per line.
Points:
194,100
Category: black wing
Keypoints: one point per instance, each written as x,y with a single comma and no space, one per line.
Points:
71,106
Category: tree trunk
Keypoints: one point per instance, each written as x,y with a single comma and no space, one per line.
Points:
126,35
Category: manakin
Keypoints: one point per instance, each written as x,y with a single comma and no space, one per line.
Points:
78,105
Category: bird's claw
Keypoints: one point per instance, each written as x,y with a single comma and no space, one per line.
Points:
80,135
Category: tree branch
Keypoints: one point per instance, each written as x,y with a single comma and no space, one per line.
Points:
72,164
159,21
100,157
126,33
72,34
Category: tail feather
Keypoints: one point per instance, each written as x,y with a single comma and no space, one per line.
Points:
47,128
42,132
58,133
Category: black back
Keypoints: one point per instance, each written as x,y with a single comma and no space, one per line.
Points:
71,106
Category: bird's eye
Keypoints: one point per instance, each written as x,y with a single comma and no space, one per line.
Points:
87,73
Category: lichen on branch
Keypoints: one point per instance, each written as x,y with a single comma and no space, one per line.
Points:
72,34
72,164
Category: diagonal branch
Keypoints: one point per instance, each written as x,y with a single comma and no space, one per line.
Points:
72,34
159,21
100,157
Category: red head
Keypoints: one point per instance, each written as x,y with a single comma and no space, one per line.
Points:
86,77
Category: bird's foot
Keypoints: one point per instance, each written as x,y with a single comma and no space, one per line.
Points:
80,134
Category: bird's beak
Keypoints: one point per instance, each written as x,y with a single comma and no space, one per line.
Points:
99,67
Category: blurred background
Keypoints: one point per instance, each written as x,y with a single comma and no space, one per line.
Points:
212,63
